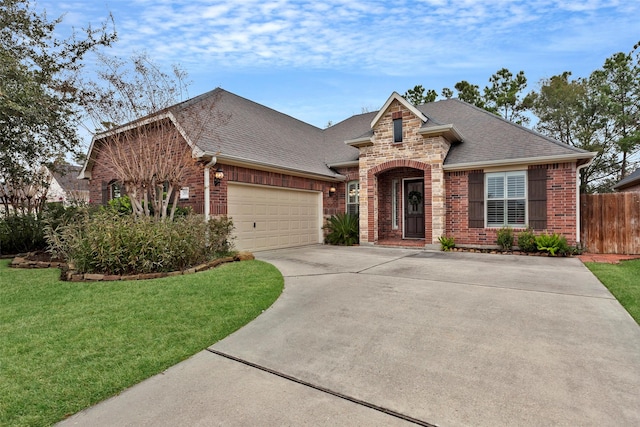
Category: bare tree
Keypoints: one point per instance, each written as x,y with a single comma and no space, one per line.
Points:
135,105
25,196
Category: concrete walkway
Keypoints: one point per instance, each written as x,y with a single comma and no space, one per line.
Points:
378,336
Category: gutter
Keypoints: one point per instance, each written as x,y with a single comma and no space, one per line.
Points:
520,161
348,164
270,167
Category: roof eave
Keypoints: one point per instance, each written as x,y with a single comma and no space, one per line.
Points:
348,164
360,142
521,161
269,167
449,132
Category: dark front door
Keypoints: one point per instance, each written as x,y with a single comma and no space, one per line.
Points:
414,209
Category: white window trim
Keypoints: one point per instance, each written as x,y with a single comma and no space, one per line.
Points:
357,202
394,204
526,198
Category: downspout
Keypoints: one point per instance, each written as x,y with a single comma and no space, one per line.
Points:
578,182
207,181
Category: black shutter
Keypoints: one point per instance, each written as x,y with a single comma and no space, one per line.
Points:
537,189
105,192
476,200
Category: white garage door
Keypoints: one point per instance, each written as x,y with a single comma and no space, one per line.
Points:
272,218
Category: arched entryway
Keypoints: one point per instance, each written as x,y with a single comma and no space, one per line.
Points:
401,201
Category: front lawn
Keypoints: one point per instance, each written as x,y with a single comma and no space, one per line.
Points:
623,281
66,346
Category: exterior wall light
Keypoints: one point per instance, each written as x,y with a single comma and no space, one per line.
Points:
332,191
218,176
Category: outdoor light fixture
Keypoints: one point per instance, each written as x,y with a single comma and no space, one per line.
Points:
217,177
332,191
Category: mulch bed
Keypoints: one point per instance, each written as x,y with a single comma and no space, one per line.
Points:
43,259
501,252
606,258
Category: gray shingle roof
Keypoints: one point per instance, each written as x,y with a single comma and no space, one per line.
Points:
629,180
489,138
247,130
67,177
336,135
244,130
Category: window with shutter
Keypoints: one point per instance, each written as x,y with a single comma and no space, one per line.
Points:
506,199
476,200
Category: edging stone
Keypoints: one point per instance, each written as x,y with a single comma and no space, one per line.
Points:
74,276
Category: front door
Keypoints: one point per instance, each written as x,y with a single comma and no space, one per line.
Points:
414,209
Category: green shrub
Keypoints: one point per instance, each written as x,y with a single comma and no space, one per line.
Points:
554,244
447,243
505,238
107,242
527,241
121,205
220,230
343,229
21,233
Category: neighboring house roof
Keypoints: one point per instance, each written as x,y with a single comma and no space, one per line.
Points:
489,139
66,175
628,181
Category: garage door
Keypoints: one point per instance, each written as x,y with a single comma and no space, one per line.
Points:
272,218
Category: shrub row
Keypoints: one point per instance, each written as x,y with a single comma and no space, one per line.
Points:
108,242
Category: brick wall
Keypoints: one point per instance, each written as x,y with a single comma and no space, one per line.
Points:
561,206
331,204
102,174
194,179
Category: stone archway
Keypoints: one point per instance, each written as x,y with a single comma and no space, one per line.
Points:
376,214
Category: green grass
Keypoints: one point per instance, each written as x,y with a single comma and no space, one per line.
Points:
66,346
623,280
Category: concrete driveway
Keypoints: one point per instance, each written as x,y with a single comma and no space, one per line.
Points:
378,336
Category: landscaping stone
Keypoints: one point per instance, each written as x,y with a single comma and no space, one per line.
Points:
244,256
111,278
201,267
94,277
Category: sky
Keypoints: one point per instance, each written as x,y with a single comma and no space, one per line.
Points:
326,60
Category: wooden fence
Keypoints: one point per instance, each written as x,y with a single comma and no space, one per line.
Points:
611,222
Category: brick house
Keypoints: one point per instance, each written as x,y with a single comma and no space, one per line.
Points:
412,173
630,183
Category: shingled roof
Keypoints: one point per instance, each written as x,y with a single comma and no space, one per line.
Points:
489,139
247,132
66,176
244,132
628,181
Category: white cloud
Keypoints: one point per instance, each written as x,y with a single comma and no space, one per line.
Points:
392,38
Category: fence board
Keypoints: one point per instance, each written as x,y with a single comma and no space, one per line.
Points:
611,222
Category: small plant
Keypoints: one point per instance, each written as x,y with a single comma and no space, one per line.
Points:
505,238
554,244
527,241
447,243
343,230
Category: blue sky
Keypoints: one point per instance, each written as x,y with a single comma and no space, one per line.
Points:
325,60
